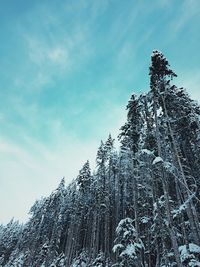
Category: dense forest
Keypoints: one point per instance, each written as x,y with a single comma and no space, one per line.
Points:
140,207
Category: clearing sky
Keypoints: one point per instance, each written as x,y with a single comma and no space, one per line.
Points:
67,71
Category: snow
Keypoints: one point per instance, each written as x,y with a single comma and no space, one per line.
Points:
103,205
182,207
79,264
117,246
145,219
192,247
194,263
190,255
157,160
147,151
168,166
159,111
129,251
126,233
170,254
122,223
179,210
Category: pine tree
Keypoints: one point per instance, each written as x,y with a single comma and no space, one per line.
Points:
84,177
128,245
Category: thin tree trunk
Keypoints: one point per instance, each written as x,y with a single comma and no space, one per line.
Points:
166,194
190,207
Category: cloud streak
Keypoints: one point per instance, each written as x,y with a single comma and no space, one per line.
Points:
188,10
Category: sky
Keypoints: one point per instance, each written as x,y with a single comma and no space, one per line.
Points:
67,71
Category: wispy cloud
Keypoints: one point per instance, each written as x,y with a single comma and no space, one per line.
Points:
58,55
187,11
46,55
51,50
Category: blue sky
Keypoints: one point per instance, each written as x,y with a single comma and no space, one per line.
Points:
67,71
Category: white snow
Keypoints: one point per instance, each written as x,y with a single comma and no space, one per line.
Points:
145,219
157,160
126,233
194,248
159,111
178,211
117,246
185,254
130,250
183,206
78,263
122,222
147,151
194,263
169,167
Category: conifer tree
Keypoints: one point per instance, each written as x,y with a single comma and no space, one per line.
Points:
128,246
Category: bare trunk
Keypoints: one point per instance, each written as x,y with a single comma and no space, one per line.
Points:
166,194
186,192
